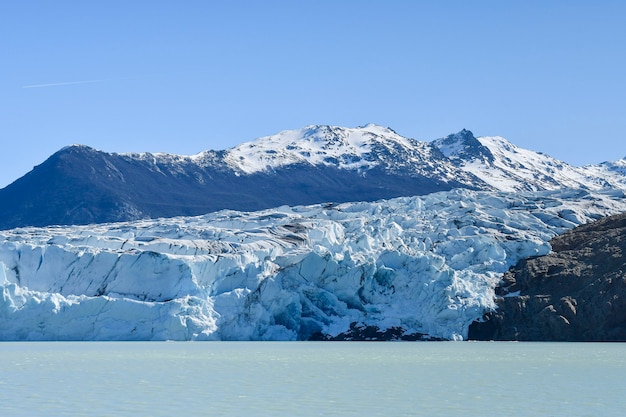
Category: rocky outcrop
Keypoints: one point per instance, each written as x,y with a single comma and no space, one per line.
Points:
360,332
575,293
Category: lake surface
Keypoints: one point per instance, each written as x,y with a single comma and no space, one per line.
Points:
312,379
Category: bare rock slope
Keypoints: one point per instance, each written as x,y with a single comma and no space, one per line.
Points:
575,293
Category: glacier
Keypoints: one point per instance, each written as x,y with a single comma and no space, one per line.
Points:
427,265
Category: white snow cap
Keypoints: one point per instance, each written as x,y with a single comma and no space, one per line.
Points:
315,144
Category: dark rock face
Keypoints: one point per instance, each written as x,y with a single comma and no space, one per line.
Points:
360,333
575,293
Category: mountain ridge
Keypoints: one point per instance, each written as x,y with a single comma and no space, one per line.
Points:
315,164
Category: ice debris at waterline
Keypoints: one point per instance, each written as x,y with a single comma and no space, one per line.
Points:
425,265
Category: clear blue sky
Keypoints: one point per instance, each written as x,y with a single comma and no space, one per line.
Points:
186,76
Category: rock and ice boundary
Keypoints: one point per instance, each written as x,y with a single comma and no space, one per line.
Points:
427,265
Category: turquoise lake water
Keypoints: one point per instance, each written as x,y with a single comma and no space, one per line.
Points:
312,379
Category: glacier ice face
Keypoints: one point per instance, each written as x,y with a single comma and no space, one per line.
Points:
425,264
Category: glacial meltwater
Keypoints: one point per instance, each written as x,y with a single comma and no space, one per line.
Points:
312,379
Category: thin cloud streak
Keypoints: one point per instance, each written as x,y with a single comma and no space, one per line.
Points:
63,83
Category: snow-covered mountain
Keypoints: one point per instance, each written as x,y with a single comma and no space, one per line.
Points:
506,167
359,149
316,164
424,266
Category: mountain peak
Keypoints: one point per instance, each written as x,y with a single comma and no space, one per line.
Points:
315,145
463,146
76,148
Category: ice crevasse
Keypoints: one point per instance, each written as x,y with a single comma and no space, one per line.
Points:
425,264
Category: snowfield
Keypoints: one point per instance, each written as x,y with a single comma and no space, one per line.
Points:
425,264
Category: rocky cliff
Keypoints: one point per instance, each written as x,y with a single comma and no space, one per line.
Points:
575,293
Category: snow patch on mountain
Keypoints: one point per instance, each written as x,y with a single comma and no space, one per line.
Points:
425,264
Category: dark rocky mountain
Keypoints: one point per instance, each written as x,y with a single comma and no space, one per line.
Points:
316,164
575,293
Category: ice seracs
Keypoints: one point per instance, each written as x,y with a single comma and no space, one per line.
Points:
427,265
